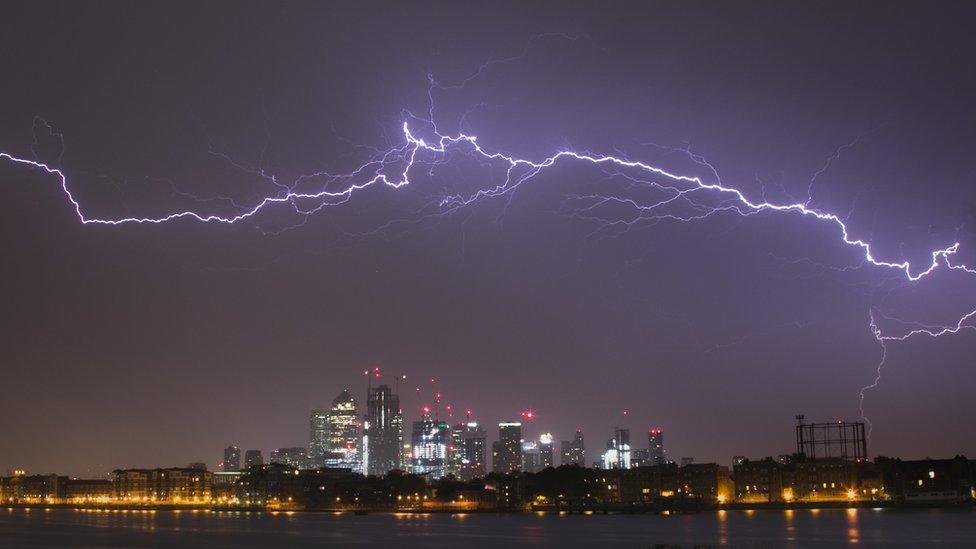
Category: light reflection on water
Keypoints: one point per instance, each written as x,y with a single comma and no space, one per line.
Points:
791,528
852,533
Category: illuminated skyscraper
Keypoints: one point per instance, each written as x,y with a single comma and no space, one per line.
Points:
252,458
232,459
572,451
545,451
342,440
530,456
655,446
382,431
318,438
617,454
429,443
507,450
468,451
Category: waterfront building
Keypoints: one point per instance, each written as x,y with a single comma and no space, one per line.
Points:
170,486
225,487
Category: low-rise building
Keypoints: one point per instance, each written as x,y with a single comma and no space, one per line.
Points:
172,486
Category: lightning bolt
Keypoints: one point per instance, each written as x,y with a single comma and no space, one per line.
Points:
653,194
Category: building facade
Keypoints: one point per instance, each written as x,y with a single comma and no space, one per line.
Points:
382,431
573,452
506,454
232,459
655,446
468,451
429,444
545,451
252,458
618,453
171,486
335,434
296,456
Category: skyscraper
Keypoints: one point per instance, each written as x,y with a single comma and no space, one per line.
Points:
572,451
252,458
617,455
340,447
545,451
507,450
318,437
655,446
430,443
530,456
382,431
468,452
232,459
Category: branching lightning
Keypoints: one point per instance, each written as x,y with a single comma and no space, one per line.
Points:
652,193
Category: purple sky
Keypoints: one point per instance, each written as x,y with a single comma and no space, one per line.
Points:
161,344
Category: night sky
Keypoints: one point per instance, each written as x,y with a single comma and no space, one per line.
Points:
158,345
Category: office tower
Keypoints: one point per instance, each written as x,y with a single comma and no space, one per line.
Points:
572,451
429,443
655,446
640,458
564,452
468,455
341,448
296,456
617,454
455,450
252,458
530,456
545,451
382,431
507,450
232,459
318,437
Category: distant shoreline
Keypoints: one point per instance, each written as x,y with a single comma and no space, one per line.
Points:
595,510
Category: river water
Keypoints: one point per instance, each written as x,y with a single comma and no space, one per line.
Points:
800,528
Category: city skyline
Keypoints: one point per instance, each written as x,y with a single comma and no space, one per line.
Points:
217,217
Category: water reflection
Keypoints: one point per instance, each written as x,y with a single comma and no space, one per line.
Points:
723,527
853,534
762,528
